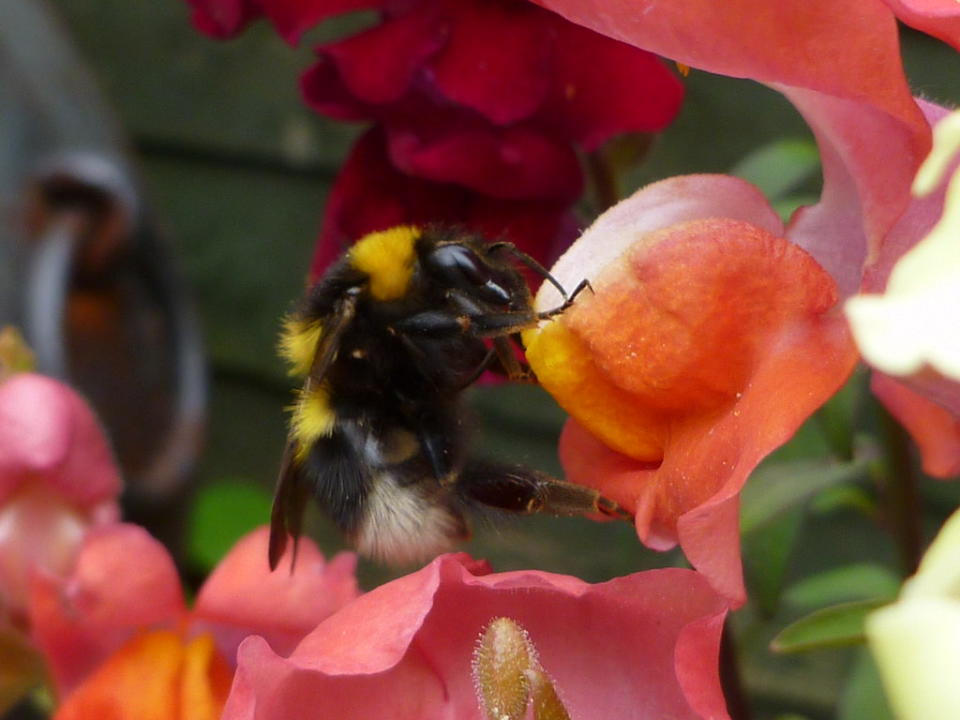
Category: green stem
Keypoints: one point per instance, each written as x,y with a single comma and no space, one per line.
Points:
901,494
737,705
603,178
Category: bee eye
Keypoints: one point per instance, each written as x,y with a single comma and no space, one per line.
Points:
459,267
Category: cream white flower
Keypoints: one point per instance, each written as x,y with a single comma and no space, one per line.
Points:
916,322
916,641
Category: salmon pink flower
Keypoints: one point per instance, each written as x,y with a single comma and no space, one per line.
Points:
641,646
690,409
57,479
124,584
708,340
910,330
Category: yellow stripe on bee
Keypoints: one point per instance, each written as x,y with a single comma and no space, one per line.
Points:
298,343
387,257
313,418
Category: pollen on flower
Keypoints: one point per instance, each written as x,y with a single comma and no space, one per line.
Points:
507,675
501,660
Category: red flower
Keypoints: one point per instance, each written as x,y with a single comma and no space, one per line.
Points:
642,646
371,194
478,105
225,18
685,444
487,101
506,61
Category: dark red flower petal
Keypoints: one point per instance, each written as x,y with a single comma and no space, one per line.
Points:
377,65
323,90
223,18
511,162
620,88
292,18
496,59
370,194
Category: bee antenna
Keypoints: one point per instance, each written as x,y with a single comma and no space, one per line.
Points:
530,263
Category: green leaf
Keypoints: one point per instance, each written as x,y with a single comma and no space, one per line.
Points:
864,697
766,554
222,513
779,167
844,497
775,489
837,417
831,627
844,584
786,206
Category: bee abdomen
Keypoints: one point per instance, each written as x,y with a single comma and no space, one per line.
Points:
402,524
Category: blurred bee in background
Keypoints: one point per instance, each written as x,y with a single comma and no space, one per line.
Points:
387,340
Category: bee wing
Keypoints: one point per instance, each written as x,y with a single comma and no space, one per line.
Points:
289,502
329,342
290,495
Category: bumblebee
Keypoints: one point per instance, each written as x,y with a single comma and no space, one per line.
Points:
387,341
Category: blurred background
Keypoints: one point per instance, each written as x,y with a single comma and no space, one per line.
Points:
220,173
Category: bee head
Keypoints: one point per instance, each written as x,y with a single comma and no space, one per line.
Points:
462,266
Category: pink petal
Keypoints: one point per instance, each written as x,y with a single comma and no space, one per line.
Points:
38,532
627,648
940,18
934,428
661,204
839,63
122,580
242,597
49,435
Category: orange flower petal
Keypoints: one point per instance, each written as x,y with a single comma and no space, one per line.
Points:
154,676
675,329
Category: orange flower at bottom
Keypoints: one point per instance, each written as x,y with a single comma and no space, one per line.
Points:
155,676
706,343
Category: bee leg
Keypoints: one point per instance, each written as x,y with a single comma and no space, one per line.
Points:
524,491
567,301
438,435
485,364
515,369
